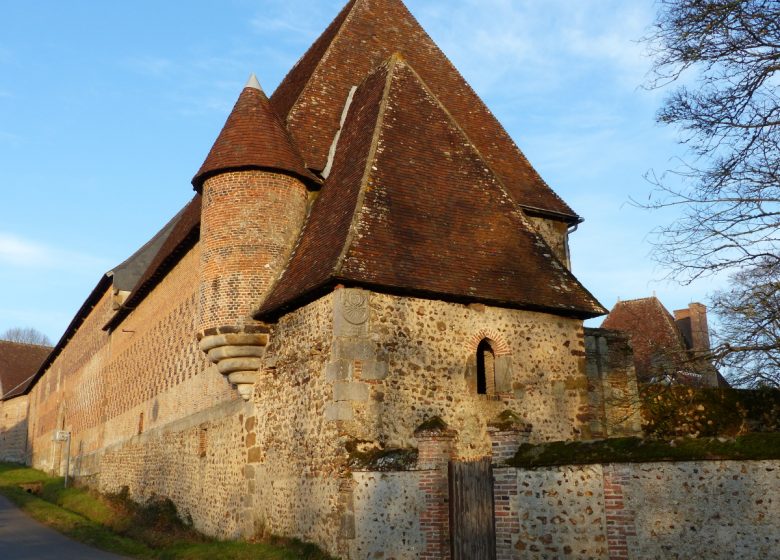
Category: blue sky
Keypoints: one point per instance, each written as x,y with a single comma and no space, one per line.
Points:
107,109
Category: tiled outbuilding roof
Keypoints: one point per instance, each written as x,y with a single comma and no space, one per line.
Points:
412,206
367,32
18,364
652,328
253,138
659,344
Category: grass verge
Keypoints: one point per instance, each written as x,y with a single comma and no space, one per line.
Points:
116,524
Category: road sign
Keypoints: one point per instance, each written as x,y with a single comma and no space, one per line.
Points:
61,435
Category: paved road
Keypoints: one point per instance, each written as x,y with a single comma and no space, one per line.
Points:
23,538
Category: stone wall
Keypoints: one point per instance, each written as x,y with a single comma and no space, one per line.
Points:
556,234
414,357
197,462
388,507
13,429
612,390
685,510
295,457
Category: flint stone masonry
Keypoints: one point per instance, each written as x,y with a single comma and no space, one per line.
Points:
207,485
556,235
387,508
684,510
612,387
713,509
428,346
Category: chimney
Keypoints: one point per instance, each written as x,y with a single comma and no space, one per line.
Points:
692,322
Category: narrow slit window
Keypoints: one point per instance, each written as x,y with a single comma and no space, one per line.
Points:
486,369
202,442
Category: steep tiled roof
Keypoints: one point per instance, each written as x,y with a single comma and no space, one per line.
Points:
253,138
367,32
18,364
412,206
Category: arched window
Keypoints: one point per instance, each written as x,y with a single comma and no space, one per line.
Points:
486,368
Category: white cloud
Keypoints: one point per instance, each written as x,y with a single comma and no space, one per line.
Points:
531,45
16,251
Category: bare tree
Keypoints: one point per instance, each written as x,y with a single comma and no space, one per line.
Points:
749,333
26,335
728,113
724,56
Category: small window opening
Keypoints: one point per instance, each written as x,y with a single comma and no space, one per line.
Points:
140,423
486,369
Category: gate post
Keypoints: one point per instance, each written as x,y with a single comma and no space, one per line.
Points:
506,432
435,448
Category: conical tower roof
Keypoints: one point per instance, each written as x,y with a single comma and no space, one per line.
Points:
253,138
366,33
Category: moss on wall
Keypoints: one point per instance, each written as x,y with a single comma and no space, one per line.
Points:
637,450
706,412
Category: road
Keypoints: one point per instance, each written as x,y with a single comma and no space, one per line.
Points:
23,538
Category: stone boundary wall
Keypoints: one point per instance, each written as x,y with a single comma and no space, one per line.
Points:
197,462
683,510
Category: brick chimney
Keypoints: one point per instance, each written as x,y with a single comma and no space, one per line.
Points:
692,322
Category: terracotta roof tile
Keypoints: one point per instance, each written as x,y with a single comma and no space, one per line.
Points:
366,33
653,332
18,364
253,138
412,206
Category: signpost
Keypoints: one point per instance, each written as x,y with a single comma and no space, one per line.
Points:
63,435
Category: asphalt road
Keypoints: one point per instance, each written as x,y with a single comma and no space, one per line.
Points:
23,538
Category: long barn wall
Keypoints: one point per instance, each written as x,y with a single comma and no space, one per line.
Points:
107,388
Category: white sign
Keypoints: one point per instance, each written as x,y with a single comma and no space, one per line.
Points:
61,435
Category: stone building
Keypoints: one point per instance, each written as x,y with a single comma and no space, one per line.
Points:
18,364
667,348
371,280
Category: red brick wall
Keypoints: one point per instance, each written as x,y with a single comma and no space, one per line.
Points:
249,224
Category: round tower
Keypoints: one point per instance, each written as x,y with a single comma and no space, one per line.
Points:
254,185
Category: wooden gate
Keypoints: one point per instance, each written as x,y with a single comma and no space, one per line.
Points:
472,522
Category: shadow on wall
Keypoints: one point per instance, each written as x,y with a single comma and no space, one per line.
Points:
13,440
714,509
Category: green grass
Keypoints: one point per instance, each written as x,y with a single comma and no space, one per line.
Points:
758,446
116,524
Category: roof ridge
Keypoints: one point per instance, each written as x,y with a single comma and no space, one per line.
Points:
390,64
25,343
476,150
320,59
398,58
365,33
